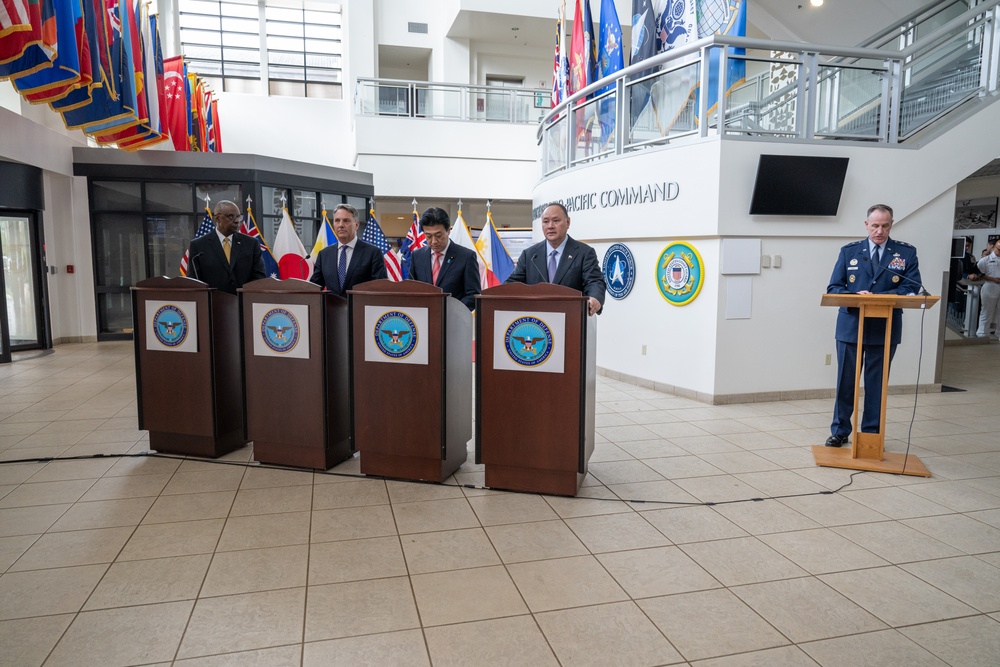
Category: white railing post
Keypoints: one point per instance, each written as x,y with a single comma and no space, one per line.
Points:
892,102
721,100
622,116
703,94
801,85
812,97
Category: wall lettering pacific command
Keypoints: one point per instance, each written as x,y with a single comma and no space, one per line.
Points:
633,194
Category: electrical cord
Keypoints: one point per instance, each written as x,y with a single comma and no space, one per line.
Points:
268,466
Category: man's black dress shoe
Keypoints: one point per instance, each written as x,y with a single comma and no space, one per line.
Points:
836,440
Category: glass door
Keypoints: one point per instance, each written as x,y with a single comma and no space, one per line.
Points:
23,324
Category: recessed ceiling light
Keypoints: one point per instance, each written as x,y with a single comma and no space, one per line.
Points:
816,3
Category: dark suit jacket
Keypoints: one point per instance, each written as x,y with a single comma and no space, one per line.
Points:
578,268
855,271
366,264
459,275
207,262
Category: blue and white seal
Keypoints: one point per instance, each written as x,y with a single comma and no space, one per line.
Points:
280,330
395,334
679,273
170,326
528,341
619,271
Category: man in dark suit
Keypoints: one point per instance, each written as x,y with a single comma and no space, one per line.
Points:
561,260
351,261
875,265
226,260
449,266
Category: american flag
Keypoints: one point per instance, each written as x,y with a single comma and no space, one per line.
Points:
373,234
206,227
415,240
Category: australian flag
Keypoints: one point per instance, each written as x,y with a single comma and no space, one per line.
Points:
249,227
415,240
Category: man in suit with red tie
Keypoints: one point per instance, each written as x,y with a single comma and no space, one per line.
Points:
351,261
225,260
562,260
449,266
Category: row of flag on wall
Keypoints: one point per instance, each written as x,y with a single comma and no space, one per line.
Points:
99,64
288,258
657,26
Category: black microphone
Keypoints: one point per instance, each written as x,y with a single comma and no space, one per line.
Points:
194,264
922,291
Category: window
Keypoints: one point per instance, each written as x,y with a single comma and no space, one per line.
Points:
221,40
302,40
304,48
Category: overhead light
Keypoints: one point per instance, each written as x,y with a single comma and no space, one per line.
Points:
816,3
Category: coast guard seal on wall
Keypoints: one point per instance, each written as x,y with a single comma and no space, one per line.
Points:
679,273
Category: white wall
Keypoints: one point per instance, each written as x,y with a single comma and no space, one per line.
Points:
428,158
783,346
72,304
295,128
531,65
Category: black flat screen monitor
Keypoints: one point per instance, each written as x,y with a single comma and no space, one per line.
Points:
958,248
798,185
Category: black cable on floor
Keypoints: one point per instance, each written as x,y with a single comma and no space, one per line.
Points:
267,466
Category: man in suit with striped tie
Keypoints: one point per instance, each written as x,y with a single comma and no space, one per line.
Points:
351,261
449,266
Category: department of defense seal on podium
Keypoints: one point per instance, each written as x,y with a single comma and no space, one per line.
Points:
280,330
395,334
528,341
170,325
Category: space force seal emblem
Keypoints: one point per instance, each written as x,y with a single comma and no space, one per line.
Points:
170,326
679,273
280,330
619,271
528,341
395,334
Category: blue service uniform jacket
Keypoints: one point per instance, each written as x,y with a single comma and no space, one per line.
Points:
578,268
855,272
207,262
366,264
459,275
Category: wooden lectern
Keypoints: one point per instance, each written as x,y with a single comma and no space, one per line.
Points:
412,379
297,359
867,450
535,387
188,376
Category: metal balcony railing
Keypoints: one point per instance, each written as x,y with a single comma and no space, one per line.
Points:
878,93
450,101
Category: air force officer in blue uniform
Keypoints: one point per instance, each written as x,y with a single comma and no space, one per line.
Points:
876,265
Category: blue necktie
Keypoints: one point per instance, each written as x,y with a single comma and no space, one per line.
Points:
342,266
552,266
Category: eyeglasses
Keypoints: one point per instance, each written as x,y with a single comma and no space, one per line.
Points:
236,217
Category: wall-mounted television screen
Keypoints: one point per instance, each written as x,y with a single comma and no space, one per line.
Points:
798,185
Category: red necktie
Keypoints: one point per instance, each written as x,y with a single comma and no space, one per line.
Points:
436,268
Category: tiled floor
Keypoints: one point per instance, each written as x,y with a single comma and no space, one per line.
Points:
125,561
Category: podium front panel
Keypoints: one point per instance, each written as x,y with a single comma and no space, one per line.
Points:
285,396
530,419
398,394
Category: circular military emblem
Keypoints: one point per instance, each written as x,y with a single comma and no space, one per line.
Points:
280,330
619,271
679,273
528,341
395,334
170,326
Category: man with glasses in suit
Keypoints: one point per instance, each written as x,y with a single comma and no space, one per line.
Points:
225,260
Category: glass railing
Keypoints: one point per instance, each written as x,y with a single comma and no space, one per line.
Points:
767,88
448,101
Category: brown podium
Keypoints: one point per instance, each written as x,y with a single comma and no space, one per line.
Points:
297,360
188,376
412,379
535,387
867,450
